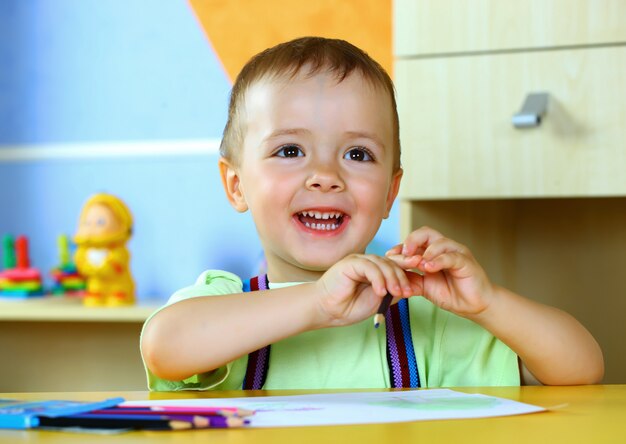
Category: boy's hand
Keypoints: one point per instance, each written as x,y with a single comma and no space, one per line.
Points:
353,288
452,278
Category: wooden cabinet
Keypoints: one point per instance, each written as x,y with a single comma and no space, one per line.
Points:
447,27
57,344
543,208
466,146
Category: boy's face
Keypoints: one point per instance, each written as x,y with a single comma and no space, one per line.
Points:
316,170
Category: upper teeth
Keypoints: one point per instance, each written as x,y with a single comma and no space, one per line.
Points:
320,215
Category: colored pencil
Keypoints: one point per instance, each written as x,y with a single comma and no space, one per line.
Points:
218,422
196,420
102,423
379,317
142,422
192,410
161,411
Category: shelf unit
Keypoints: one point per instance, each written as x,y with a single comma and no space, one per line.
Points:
55,343
543,209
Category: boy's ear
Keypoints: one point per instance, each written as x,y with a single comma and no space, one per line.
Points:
232,185
393,190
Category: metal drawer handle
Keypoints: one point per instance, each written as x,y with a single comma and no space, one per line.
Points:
532,111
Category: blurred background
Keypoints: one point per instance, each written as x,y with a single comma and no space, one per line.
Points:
129,97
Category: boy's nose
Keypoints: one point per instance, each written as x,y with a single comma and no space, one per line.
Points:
324,179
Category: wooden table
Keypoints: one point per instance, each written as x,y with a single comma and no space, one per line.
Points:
587,414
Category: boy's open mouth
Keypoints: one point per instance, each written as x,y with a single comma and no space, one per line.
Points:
321,220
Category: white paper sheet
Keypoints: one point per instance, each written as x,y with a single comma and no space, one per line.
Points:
361,407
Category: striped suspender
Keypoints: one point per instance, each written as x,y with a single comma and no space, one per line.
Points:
258,361
400,354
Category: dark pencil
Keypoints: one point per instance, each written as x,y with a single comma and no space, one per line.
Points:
112,423
379,317
198,421
142,422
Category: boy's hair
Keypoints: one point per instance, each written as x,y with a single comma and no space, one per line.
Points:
287,59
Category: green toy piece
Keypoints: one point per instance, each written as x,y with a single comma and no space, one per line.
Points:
64,251
8,252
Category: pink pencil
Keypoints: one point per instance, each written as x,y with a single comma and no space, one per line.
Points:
193,410
159,412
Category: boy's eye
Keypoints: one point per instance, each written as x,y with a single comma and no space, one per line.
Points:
358,154
289,151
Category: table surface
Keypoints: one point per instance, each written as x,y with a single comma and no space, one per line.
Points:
70,309
589,414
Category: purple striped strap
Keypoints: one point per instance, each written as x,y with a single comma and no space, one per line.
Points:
259,360
403,371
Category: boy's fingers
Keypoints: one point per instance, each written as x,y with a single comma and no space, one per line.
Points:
405,286
416,282
395,279
396,249
420,238
445,245
373,275
405,262
446,261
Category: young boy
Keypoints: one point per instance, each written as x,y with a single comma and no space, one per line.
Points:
312,149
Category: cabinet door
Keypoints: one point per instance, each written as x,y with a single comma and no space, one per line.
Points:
458,140
455,26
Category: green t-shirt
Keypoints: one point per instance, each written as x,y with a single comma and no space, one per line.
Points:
450,351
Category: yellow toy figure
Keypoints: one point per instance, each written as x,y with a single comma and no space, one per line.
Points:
105,225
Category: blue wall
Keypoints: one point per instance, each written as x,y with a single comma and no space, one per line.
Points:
84,71
81,70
